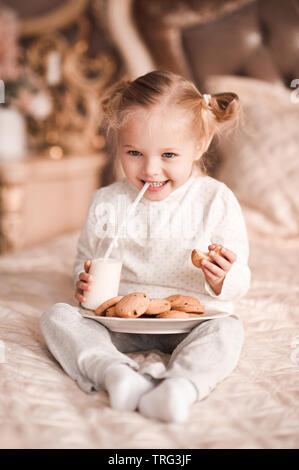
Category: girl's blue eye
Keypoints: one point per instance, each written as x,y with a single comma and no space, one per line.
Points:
134,152
168,154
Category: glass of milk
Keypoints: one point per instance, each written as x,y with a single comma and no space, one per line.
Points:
105,275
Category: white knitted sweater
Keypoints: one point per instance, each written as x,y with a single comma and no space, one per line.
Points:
161,235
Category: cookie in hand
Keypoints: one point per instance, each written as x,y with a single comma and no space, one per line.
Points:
197,256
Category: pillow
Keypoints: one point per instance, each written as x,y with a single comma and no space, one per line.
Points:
259,161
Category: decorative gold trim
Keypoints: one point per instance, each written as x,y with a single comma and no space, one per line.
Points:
61,17
75,122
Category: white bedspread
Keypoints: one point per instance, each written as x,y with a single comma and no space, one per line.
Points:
41,407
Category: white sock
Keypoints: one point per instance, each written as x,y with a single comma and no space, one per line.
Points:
125,386
170,401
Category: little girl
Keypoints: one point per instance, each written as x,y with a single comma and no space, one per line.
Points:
161,126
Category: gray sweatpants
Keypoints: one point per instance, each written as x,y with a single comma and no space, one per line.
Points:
85,348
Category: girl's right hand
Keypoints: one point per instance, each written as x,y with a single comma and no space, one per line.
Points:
84,282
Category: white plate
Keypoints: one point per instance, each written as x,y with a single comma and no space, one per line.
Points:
154,325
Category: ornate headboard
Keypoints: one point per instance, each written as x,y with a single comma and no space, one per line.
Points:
257,38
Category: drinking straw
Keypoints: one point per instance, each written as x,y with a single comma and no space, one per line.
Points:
131,210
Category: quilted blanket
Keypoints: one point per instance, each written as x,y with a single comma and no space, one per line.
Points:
255,407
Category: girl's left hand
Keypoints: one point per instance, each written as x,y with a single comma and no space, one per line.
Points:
215,273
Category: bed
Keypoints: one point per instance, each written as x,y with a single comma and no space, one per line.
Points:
257,405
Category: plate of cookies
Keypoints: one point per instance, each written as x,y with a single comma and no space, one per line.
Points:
138,313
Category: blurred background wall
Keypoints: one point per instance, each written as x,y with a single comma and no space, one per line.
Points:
58,56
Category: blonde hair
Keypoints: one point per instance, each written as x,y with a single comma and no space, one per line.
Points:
220,114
